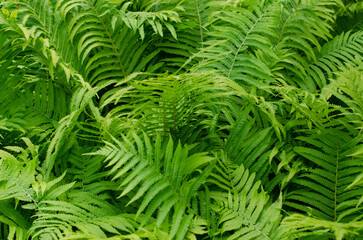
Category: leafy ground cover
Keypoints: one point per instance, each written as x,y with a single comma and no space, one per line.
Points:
170,119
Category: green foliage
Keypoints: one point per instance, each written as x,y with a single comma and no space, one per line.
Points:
193,119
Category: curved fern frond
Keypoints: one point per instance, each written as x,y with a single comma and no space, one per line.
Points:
250,146
191,36
324,189
249,27
298,226
20,183
41,30
16,178
333,56
104,45
304,25
82,214
348,88
163,176
169,103
244,209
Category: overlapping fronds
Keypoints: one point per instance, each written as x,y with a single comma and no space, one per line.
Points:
16,178
250,145
89,216
230,48
244,208
181,119
107,49
168,103
348,88
324,191
335,54
157,175
303,26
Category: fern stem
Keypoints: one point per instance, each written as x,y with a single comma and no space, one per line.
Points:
335,185
111,40
244,40
48,34
164,115
200,23
283,28
22,189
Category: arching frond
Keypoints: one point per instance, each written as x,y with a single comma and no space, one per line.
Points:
167,103
324,191
249,27
244,209
88,215
250,145
348,88
334,55
108,49
158,176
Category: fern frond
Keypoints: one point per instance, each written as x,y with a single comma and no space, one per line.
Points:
169,103
84,212
248,28
333,56
16,178
104,45
245,212
163,176
303,26
298,226
249,145
138,20
348,88
324,188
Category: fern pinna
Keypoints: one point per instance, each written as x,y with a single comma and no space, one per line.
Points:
193,119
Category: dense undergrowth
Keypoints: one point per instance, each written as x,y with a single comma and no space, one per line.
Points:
170,119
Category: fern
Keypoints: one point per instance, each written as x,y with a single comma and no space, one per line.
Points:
347,88
231,56
167,104
103,42
244,209
324,187
16,178
195,119
340,51
163,177
250,146
89,215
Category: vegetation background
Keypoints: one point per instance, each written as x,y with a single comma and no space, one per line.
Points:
170,119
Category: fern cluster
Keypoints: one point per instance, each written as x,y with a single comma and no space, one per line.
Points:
194,119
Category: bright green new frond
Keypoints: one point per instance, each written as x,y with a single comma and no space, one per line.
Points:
82,213
331,58
157,175
16,178
348,88
303,26
298,226
156,19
